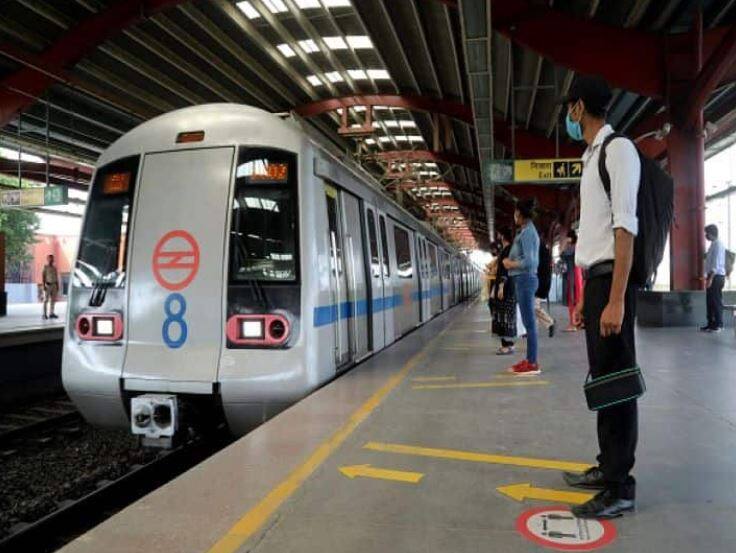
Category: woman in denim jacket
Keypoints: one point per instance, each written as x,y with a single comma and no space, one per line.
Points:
522,263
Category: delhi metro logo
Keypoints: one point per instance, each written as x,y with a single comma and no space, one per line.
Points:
175,260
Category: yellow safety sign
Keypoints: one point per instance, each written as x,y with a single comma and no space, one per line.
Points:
547,170
367,471
520,492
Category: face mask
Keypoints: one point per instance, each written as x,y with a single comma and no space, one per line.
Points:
574,130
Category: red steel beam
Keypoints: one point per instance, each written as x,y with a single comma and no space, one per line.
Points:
714,70
607,51
456,110
531,145
427,155
76,43
38,170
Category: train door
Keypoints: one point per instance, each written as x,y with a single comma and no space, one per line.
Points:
420,274
435,289
356,275
338,277
424,281
175,312
389,298
427,290
375,274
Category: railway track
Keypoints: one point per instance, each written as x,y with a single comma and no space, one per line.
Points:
35,419
73,517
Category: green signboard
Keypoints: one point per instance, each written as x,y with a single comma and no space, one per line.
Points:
35,197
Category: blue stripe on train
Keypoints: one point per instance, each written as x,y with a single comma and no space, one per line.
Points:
327,314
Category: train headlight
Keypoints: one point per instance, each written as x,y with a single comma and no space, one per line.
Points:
258,330
104,327
101,327
251,329
277,329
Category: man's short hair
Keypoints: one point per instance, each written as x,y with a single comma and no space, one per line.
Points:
712,230
595,93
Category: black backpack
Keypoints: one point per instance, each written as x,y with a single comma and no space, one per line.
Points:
544,271
654,210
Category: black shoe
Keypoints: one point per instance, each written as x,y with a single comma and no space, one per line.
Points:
604,505
53,316
705,328
552,330
44,317
591,479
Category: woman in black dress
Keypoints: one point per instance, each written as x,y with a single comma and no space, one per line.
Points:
503,300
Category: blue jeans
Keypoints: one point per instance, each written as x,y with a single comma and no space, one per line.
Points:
526,286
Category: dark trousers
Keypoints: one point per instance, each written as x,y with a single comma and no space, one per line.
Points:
618,424
714,302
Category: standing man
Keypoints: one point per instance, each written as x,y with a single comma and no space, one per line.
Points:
715,274
605,251
50,285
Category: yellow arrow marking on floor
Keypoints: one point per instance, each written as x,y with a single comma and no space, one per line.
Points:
433,378
520,492
515,384
367,471
478,457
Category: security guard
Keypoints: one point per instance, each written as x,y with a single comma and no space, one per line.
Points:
50,286
605,252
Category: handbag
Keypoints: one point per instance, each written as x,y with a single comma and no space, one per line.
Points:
612,389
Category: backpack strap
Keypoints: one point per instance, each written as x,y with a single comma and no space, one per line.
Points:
602,169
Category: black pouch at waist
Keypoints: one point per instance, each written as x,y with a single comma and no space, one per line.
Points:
614,388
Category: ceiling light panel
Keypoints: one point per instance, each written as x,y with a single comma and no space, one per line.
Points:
378,74
248,9
314,80
309,46
359,42
275,6
336,3
334,77
286,50
335,42
307,4
357,74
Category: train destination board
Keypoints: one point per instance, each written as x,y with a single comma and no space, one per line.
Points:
35,197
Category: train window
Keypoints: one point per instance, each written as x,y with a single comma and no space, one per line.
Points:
403,253
373,241
335,235
264,229
102,244
433,260
384,241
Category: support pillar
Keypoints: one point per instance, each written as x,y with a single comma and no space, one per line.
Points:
686,161
687,240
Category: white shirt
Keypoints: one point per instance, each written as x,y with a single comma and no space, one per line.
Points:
599,215
715,260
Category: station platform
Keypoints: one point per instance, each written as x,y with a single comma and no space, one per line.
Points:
24,324
431,447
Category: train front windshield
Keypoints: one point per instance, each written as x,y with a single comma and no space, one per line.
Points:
264,232
102,246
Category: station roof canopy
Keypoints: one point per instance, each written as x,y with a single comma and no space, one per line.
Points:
420,91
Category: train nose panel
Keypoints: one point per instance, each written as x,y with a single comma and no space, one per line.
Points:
175,311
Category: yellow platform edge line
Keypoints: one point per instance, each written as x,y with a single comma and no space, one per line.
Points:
433,378
476,457
480,385
256,517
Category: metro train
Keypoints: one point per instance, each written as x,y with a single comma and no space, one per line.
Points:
229,264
